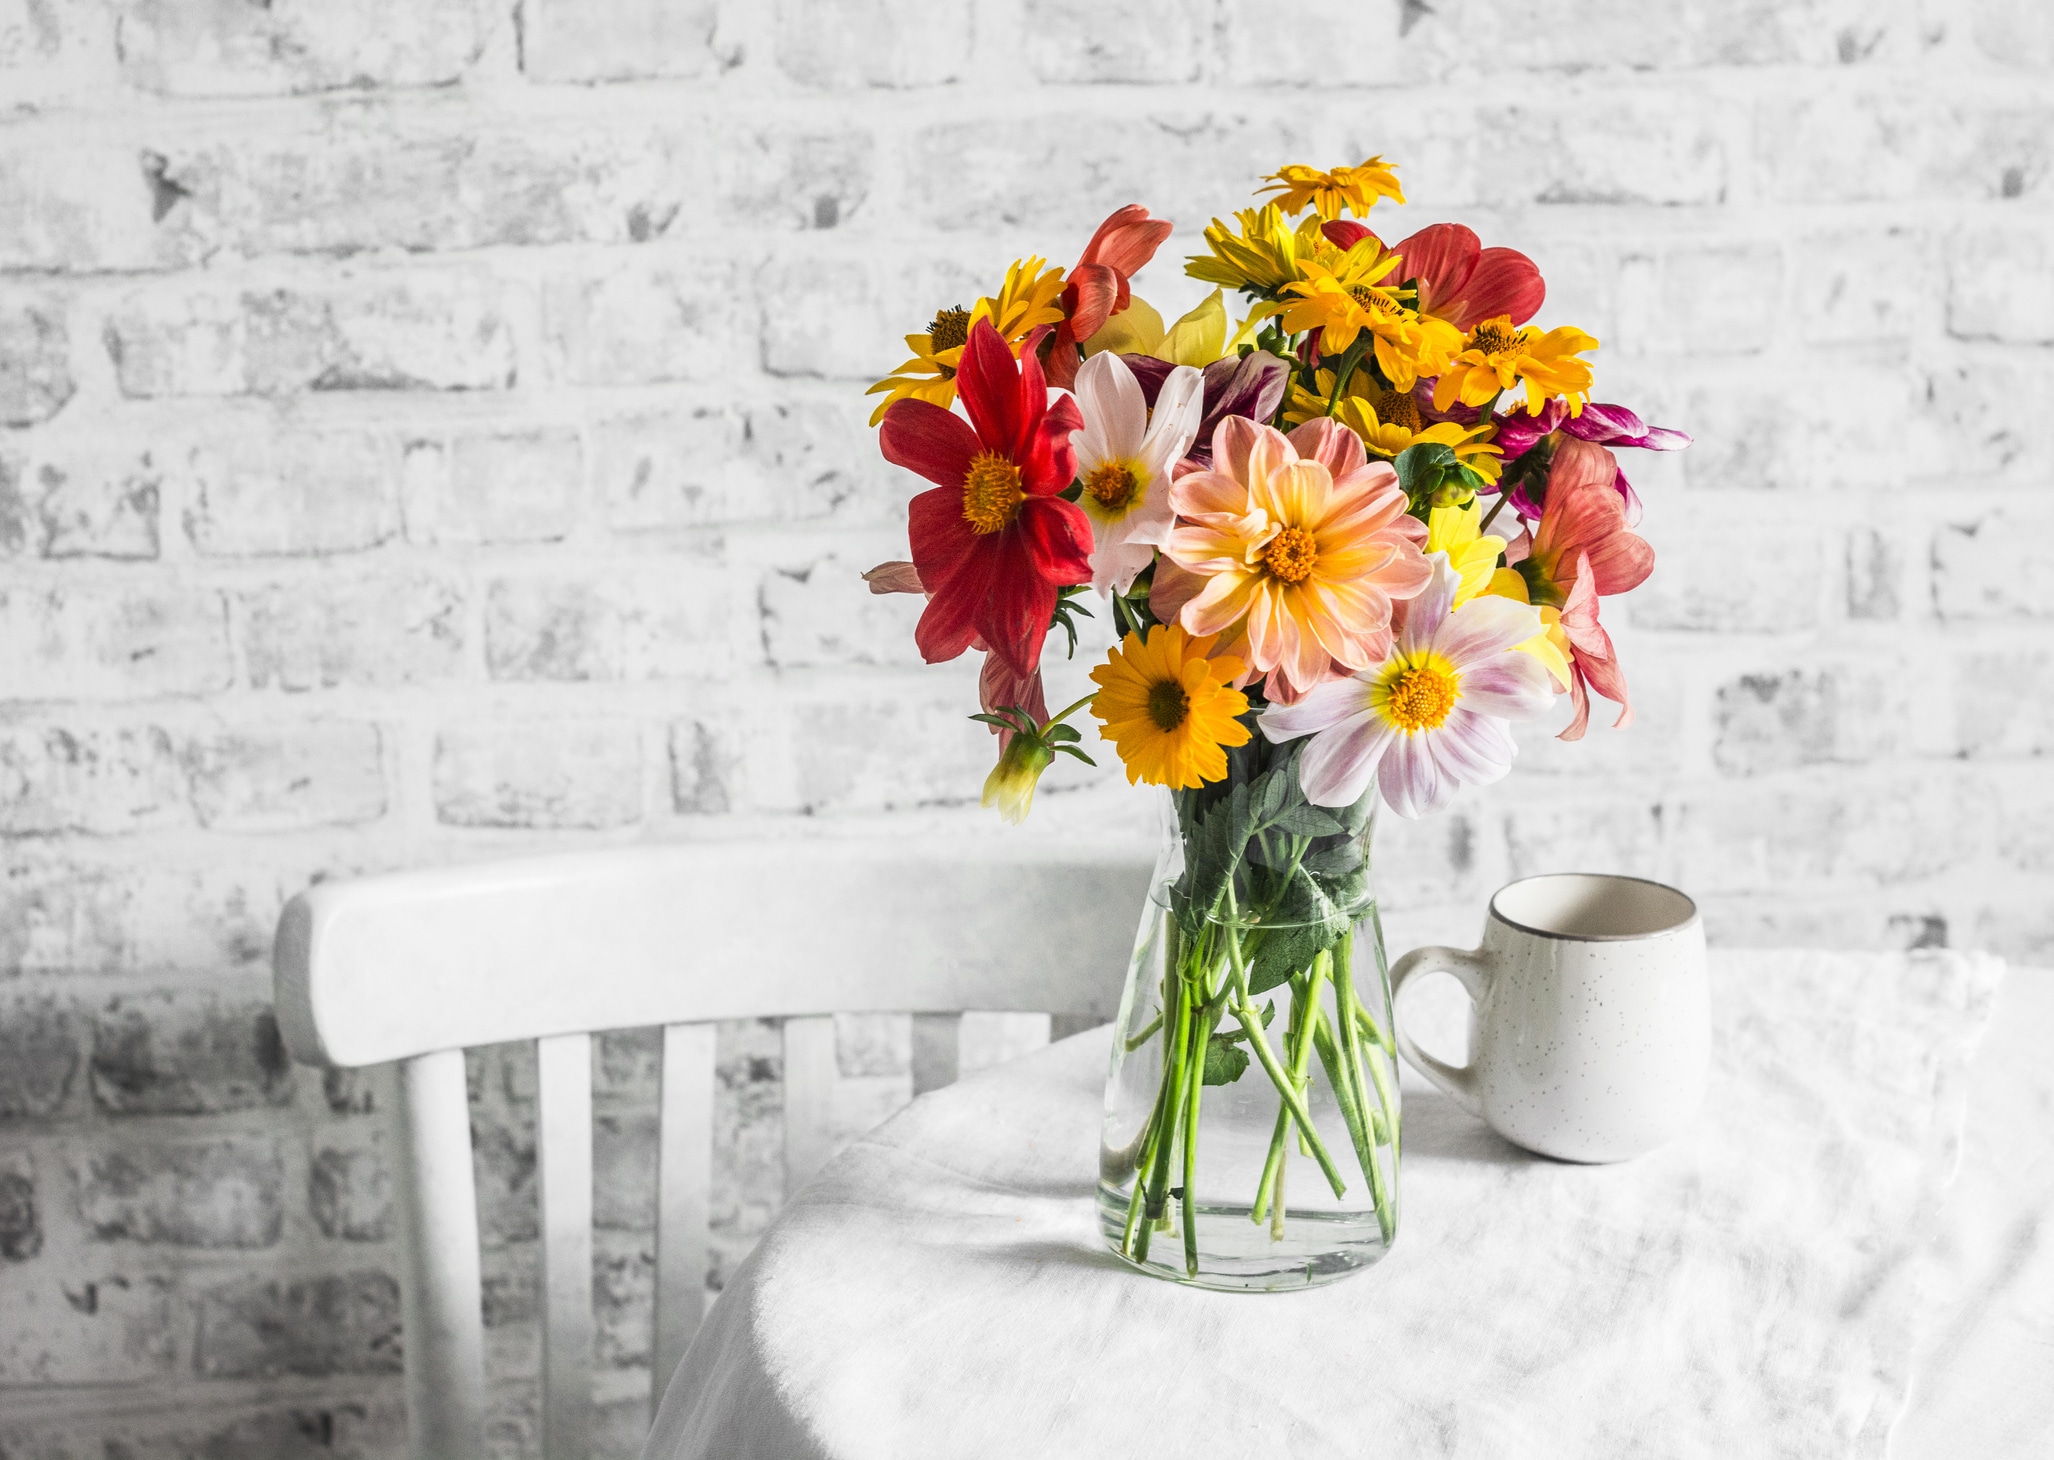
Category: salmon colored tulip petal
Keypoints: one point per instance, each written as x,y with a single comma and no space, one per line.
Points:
924,438
1097,289
1127,240
1441,258
895,577
1505,281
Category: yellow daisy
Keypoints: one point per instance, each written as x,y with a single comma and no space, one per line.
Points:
1024,302
1388,421
1343,296
1497,354
1263,257
1330,194
1457,531
1168,709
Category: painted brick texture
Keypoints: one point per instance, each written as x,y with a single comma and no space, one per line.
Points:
432,429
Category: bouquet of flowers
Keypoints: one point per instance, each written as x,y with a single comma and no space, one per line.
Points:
1347,540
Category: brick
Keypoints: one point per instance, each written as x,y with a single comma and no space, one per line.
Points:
842,320
350,1092
1724,300
2000,286
101,643
188,1054
1988,569
2025,825
824,613
2013,32
1735,579
329,773
1255,50
494,487
1899,146
2004,703
2023,933
430,331
1598,833
91,502
315,1429
881,43
1968,410
624,1170
1853,426
206,1194
539,773
229,49
39,1055
1874,572
84,205
620,40
1628,151
88,1327
628,1066
623,1299
435,184
292,494
875,749
21,1219
66,912
646,323
55,52
1154,41
748,1141
779,178
628,623
90,780
1804,717
503,1170
715,465
361,629
350,1194
35,361
260,1328
705,764
1911,825
1849,285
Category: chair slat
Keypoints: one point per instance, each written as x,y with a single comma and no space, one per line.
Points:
809,1097
937,1051
563,1148
684,1178
440,1287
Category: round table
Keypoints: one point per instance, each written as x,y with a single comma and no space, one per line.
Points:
1772,1284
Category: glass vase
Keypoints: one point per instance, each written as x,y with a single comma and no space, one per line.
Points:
1251,1112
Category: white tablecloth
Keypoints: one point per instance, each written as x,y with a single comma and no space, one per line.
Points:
1763,1286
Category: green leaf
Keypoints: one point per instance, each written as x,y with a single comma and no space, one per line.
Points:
1224,1063
1212,852
1337,860
1303,820
1305,921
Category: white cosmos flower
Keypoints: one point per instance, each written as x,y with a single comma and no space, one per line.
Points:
1433,716
1124,456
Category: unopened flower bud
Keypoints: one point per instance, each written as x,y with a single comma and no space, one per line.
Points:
1010,786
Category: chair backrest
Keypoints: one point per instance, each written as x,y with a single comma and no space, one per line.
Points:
415,967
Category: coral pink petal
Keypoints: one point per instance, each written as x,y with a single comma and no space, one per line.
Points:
1441,258
895,577
1505,282
1333,446
1208,494
1579,696
1127,240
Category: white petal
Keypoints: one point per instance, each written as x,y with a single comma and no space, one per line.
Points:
1472,749
1425,614
1114,565
1513,686
1322,707
1485,627
1338,764
1179,407
1412,784
1108,391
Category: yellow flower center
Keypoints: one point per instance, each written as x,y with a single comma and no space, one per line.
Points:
1111,485
1494,339
1291,554
950,329
1421,699
991,493
1398,408
1168,705
1372,301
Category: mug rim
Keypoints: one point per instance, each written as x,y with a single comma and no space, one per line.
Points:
1684,925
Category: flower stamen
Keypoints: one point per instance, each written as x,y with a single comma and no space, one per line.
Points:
991,493
1398,408
950,330
1111,485
1291,555
1493,339
1168,705
1421,699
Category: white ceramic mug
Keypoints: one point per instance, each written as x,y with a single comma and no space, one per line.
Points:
1589,1020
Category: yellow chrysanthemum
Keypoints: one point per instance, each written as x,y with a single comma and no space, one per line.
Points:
1024,302
1168,709
1330,194
1497,354
1551,644
1388,421
1263,257
1457,531
1343,296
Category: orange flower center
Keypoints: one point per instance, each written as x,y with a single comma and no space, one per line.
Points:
950,329
1111,485
991,493
1421,699
1372,301
1398,408
1291,554
1168,705
1493,339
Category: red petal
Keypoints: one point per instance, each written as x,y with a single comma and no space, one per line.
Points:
952,619
1063,358
922,437
942,541
1345,232
1093,290
1126,240
988,383
1505,282
1014,611
999,688
1051,461
1057,537
1442,258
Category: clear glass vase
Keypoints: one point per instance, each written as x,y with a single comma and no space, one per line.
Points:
1259,969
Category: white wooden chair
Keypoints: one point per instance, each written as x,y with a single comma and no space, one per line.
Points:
415,967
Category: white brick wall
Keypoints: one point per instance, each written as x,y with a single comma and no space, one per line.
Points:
432,429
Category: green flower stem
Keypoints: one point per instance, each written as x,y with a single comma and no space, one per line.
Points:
1375,1031
1195,1087
1386,1097
1269,1187
1147,1033
1291,1085
1352,1114
1351,1035
1065,713
1173,1086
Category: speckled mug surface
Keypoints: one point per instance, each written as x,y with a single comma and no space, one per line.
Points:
1589,1022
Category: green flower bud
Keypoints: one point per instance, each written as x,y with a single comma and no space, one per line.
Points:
1010,786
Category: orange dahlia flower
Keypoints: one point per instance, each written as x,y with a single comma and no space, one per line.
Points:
1304,544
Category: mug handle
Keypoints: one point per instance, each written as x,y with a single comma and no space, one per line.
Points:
1474,972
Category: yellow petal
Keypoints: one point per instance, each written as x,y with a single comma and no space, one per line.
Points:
1135,330
1200,337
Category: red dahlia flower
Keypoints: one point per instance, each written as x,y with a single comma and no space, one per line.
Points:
992,541
1465,283
1098,286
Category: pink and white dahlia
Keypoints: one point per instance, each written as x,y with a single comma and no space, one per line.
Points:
1124,456
1433,716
